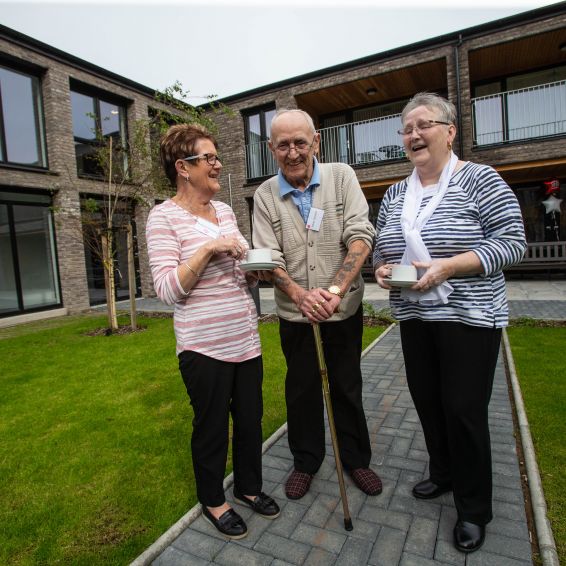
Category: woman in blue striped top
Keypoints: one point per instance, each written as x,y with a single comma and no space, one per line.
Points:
459,224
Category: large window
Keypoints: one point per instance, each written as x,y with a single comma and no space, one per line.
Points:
21,121
259,160
28,266
96,119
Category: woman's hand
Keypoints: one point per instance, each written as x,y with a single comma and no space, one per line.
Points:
229,246
437,272
381,274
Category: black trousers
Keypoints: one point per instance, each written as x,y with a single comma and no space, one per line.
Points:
216,389
342,343
450,368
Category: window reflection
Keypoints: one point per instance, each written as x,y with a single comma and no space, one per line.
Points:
8,294
21,125
34,239
28,267
83,116
95,119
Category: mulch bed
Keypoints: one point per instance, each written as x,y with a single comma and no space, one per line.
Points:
119,332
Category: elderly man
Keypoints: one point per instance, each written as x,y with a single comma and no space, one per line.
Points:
314,217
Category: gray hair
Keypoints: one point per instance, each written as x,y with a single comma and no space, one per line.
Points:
432,101
304,114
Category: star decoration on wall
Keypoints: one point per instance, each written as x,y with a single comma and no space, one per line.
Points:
552,204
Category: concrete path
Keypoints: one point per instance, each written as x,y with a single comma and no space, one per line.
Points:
392,528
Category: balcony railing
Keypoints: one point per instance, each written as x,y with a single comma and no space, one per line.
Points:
534,112
358,143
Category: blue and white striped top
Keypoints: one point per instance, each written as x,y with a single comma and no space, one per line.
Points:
480,213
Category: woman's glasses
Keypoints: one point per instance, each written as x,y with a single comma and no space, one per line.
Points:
211,158
421,127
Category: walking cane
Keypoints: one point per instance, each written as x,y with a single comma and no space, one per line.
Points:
328,402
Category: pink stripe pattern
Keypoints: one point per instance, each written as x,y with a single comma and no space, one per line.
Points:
217,317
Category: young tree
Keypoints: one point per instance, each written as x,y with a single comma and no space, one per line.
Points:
133,175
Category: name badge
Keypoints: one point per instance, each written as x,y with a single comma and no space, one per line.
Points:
315,219
207,228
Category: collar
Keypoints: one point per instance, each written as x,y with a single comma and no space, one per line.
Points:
285,187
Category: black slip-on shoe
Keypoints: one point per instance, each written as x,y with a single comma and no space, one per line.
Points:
427,489
262,504
230,524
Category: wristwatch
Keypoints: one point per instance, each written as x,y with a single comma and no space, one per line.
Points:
335,290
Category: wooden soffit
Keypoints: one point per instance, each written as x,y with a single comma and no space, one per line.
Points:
533,171
376,189
391,86
520,55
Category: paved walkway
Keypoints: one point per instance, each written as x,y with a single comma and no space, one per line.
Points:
392,528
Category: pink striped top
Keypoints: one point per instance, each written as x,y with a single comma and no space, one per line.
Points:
217,317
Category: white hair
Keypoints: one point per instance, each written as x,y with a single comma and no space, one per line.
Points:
304,114
446,109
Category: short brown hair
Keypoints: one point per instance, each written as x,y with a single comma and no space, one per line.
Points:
178,142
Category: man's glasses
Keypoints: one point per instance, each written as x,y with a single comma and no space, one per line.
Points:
421,127
300,145
211,158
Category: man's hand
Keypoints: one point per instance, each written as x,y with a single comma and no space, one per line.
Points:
318,304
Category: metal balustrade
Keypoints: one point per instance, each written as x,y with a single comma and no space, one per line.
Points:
522,114
358,143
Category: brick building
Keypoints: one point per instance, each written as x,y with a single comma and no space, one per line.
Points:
507,79
52,103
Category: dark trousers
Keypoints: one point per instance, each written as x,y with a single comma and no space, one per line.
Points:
342,343
216,389
450,368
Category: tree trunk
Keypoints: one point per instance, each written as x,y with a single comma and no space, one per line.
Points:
108,263
132,278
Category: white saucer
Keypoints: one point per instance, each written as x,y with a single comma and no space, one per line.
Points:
258,266
400,282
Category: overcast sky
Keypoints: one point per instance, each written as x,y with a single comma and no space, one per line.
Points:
226,47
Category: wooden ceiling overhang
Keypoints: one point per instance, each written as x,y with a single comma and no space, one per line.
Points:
389,87
533,171
513,174
518,56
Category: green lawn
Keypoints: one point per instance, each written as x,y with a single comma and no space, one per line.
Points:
540,361
94,455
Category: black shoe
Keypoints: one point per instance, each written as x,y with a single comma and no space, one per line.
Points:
468,537
427,489
229,523
262,504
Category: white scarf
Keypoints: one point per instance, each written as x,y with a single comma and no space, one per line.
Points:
412,223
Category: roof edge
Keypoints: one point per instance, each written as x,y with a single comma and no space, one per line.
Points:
61,56
468,33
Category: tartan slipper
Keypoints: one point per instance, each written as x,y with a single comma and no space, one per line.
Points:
297,484
367,480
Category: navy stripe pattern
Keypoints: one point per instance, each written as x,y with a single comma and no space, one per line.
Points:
480,213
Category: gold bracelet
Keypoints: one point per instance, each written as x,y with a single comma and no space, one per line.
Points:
192,270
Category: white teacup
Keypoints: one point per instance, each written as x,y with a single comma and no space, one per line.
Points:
260,255
404,273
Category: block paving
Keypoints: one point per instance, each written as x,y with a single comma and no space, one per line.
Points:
390,529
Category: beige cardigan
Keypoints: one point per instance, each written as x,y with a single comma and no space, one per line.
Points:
311,258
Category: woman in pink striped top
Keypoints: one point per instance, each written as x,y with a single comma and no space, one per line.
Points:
195,248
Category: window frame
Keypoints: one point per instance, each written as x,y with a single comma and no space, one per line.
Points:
35,73
246,115
10,202
98,96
